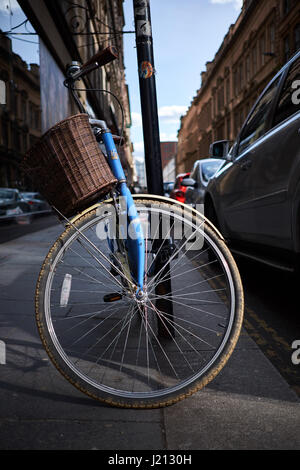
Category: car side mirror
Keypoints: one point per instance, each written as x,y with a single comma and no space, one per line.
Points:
188,182
219,149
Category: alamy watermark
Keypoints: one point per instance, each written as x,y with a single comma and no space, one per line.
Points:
2,92
154,224
2,352
296,93
296,354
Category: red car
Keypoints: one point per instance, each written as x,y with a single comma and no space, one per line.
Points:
178,191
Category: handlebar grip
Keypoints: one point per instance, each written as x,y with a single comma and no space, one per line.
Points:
102,57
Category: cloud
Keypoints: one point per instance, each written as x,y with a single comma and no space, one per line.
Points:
166,114
171,114
138,150
136,119
164,137
236,3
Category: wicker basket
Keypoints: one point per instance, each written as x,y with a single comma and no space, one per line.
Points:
68,167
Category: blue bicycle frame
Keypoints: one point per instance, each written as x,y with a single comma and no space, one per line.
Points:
135,244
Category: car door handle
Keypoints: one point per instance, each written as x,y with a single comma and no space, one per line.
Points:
246,165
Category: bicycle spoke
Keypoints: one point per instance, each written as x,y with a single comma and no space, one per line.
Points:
186,330
162,317
162,349
170,298
148,346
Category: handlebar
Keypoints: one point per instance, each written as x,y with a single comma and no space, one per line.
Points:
99,59
102,57
75,71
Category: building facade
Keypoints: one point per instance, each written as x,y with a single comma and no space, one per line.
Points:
65,31
141,172
20,114
169,171
264,37
168,160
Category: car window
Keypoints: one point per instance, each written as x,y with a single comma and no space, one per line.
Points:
28,195
194,171
7,194
289,100
208,170
256,124
197,176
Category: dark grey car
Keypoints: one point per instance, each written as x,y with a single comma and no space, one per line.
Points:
201,173
254,199
12,204
36,202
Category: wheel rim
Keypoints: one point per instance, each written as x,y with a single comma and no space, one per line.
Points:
115,347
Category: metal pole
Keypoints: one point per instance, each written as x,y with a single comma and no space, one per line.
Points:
145,58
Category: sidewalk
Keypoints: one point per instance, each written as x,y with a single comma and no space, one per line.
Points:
247,406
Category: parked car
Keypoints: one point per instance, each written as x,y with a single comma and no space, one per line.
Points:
12,203
254,199
202,171
178,192
36,202
168,186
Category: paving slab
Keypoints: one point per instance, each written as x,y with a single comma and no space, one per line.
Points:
247,406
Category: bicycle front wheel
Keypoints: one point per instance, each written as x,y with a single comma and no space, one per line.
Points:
147,352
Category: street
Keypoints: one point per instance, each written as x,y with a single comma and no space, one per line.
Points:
252,404
272,315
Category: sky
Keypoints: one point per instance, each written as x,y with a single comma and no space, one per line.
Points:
186,35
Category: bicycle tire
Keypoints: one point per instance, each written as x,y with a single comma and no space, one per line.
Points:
48,321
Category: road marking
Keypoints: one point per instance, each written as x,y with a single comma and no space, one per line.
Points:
272,344
276,349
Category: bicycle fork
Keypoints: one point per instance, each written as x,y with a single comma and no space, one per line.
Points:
135,237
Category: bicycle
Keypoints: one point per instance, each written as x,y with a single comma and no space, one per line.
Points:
139,302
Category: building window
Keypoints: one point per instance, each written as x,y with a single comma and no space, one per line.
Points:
25,142
287,49
286,6
221,98
220,132
37,119
209,111
228,128
235,82
227,91
215,105
236,123
24,110
13,100
4,132
241,117
272,37
247,72
262,50
30,115
254,60
297,37
16,136
241,73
